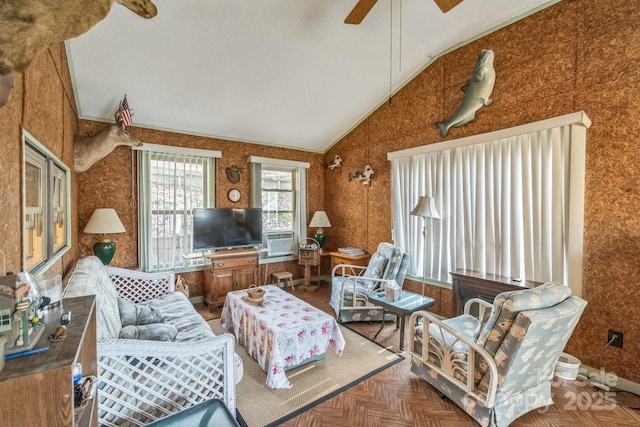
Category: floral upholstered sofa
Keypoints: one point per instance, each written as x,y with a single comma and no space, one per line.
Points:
156,354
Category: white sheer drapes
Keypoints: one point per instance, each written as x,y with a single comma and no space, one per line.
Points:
504,203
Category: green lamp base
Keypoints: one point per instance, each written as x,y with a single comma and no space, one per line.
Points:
105,250
321,238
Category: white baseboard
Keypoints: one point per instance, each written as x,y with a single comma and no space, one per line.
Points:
610,379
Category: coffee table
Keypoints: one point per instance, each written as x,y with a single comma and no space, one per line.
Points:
409,303
281,332
211,413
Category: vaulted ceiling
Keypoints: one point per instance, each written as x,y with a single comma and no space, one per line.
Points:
287,73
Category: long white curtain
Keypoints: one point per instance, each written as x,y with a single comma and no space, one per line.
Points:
504,206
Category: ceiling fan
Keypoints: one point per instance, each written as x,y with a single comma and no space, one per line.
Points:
362,8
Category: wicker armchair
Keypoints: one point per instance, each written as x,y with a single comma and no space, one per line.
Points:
497,366
352,284
140,381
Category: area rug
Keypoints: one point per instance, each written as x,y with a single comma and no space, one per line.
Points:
260,406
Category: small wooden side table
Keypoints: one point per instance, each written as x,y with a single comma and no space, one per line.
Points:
340,258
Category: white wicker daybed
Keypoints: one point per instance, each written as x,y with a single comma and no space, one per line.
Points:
174,363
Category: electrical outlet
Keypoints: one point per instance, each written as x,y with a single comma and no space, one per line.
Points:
615,338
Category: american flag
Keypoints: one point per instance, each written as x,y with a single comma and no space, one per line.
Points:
125,112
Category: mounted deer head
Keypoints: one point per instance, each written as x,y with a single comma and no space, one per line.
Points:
27,27
88,150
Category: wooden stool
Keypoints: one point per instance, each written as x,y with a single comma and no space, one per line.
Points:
286,276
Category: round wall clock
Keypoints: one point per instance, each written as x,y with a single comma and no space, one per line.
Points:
233,195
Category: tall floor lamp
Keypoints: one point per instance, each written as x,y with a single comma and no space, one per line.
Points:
426,208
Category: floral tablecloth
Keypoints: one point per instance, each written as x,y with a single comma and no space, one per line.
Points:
282,332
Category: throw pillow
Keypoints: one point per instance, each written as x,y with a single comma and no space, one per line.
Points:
137,314
374,270
153,332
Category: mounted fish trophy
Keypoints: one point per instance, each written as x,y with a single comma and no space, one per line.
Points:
28,27
88,150
476,93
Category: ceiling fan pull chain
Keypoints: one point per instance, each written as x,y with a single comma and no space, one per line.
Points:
391,54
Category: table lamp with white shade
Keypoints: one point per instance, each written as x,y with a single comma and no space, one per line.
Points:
104,221
426,208
320,220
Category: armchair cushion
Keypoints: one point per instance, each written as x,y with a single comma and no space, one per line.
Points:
137,314
397,263
374,270
507,305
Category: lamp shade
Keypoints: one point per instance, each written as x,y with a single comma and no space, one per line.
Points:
320,220
104,221
426,208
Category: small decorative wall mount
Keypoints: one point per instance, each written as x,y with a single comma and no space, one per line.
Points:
234,174
335,163
364,176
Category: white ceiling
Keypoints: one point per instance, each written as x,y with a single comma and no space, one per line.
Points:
279,72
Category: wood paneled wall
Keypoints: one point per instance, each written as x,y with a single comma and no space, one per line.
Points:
576,55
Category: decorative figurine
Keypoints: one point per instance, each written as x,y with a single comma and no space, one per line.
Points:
364,176
233,174
335,163
476,93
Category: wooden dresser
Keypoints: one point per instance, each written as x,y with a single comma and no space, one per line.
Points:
469,284
37,390
230,270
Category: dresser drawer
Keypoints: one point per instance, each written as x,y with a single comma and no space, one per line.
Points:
233,263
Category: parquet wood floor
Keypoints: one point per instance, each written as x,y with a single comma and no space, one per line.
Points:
397,398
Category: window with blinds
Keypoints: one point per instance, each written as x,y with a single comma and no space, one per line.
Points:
172,185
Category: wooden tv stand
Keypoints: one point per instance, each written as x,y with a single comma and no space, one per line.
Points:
230,270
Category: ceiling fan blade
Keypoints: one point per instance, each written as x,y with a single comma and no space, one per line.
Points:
446,5
360,10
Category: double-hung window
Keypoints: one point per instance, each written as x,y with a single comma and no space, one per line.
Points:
279,188
173,181
511,203
278,198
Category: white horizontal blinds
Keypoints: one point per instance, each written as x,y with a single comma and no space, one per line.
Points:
505,205
174,184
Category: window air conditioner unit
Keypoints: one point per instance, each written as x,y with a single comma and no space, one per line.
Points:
279,244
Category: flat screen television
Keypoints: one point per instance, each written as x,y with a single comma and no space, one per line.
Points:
226,228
